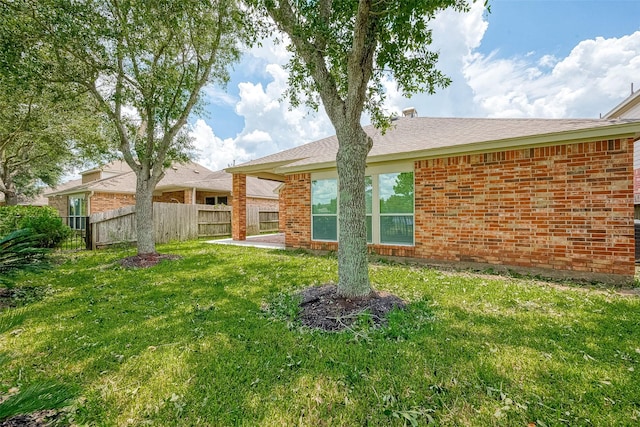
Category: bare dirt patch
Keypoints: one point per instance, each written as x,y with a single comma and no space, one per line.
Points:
146,260
35,419
322,308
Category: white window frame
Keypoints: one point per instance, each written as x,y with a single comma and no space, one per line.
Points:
336,215
374,172
75,221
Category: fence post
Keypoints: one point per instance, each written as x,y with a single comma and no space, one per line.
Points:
88,238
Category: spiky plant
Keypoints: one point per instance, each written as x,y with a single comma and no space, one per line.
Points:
19,251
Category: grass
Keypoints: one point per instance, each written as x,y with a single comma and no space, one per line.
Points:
189,342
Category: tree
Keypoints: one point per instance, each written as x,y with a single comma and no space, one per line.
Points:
42,135
343,49
44,129
144,63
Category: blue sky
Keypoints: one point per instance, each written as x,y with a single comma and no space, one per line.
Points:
527,58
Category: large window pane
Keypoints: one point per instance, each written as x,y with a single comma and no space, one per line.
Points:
368,193
324,196
324,209
325,227
396,192
396,229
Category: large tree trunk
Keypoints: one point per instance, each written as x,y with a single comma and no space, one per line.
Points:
145,230
351,160
10,198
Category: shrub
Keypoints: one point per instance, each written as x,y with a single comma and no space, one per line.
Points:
44,221
19,252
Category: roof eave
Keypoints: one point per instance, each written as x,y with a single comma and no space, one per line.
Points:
268,170
623,130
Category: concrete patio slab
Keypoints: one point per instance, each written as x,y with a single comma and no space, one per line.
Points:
266,241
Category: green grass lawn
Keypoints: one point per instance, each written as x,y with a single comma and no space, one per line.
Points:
189,342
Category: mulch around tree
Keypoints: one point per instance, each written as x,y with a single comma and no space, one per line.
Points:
35,419
322,308
146,260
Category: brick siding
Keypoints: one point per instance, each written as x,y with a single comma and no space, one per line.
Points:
171,197
282,200
297,211
102,202
263,204
239,206
565,208
61,204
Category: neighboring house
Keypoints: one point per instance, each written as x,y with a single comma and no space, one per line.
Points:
542,196
113,186
39,200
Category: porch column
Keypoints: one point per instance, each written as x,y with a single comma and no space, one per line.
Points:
239,207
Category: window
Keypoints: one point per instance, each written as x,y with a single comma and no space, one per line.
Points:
77,212
389,199
217,200
368,195
324,210
396,208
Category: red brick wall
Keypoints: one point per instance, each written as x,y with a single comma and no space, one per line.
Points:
102,202
239,206
263,204
560,208
636,185
282,202
567,207
171,197
297,210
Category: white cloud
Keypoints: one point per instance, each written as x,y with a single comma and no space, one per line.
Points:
455,36
213,152
592,79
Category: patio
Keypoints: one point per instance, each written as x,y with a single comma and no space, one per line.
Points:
266,241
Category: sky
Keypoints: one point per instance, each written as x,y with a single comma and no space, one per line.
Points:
526,58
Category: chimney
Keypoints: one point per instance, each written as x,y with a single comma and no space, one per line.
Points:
410,112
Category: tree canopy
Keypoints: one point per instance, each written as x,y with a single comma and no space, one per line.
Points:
45,129
145,64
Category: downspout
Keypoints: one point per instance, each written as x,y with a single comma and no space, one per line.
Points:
193,196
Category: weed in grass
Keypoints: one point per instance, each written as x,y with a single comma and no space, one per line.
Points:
11,318
36,397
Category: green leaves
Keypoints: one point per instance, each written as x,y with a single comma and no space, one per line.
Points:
20,251
346,49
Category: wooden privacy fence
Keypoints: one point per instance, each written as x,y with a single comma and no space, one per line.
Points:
173,221
268,221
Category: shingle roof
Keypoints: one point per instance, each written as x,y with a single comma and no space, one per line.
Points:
178,176
420,136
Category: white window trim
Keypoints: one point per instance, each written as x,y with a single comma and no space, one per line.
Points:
373,172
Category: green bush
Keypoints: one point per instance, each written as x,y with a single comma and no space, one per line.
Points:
43,220
19,252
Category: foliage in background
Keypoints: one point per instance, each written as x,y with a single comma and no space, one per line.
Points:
45,128
20,251
190,342
44,221
144,64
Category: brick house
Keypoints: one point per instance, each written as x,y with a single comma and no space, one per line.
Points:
630,109
113,186
540,196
